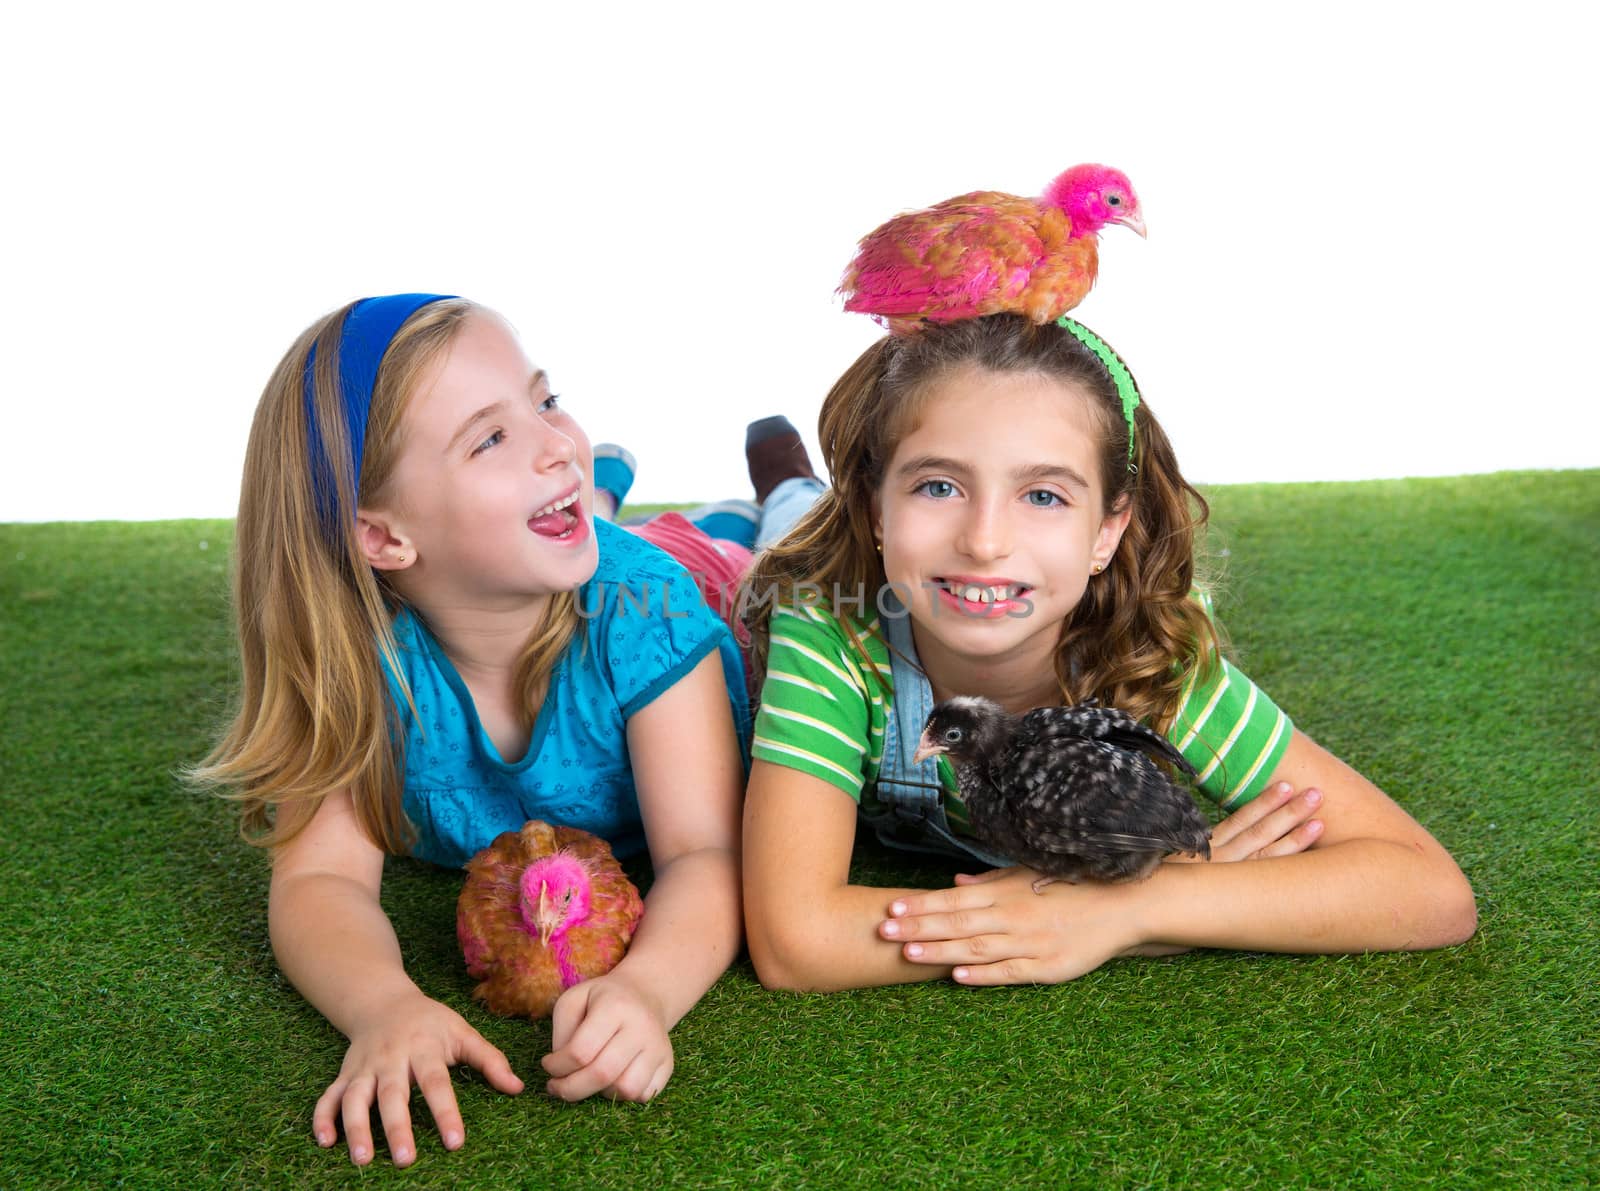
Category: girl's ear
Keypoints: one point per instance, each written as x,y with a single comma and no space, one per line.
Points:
1112,527
383,544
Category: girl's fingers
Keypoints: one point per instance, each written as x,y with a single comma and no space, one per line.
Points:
1298,840
658,1080
634,1080
994,874
567,1016
1250,814
941,901
957,925
491,1061
324,1117
1010,971
394,1110
1269,825
1276,826
356,1108
440,1094
979,949
606,1068
587,1043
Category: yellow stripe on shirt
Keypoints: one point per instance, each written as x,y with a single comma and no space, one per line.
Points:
812,721
762,745
1205,714
1239,725
1261,759
850,679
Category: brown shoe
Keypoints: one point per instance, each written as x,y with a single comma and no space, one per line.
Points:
773,449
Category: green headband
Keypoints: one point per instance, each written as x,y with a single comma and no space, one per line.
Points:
1120,376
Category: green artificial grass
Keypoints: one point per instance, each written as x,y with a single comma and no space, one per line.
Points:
1443,635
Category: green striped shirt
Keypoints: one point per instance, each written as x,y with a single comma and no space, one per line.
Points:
827,699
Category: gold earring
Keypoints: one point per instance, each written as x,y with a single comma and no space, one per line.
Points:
1097,568
399,557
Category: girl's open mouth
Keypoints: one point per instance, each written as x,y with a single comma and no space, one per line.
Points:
560,521
981,600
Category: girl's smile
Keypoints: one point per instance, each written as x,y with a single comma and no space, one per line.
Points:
562,520
974,595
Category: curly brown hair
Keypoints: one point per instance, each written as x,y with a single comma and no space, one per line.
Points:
1137,633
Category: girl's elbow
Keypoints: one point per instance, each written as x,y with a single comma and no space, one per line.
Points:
1454,917
781,957
1459,912
774,976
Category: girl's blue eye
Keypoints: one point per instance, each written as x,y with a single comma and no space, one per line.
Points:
549,403
493,440
938,489
1039,498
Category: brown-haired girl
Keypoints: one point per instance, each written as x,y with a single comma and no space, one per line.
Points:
1007,519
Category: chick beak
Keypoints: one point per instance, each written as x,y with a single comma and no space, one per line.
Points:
543,918
925,749
1134,223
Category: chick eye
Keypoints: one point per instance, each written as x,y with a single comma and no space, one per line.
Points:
1113,200
952,735
566,898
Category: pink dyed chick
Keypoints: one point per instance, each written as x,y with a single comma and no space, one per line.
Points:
991,253
543,909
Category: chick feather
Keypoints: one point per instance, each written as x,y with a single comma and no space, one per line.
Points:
1072,792
989,252
542,909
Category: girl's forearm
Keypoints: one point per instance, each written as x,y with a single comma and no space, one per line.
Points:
336,946
833,943
690,931
1360,895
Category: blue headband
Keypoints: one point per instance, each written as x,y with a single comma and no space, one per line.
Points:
1127,390
368,329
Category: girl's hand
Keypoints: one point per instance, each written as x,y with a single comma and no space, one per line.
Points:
412,1040
995,929
1274,823
607,1036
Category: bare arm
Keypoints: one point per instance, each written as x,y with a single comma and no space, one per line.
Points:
329,932
809,928
690,779
1374,880
609,1034
337,947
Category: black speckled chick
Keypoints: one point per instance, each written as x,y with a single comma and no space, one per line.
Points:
1069,791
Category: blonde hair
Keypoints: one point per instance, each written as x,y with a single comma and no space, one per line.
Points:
314,712
1136,634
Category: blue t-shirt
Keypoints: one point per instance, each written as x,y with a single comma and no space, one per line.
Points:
645,626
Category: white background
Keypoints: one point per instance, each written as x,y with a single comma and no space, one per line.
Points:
1372,252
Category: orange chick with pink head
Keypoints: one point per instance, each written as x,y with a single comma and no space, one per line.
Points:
989,252
543,909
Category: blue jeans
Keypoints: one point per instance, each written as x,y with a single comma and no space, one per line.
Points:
754,526
785,505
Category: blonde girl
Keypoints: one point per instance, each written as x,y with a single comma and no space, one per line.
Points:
1007,519
433,651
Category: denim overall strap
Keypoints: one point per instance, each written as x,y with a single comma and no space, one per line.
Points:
915,819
